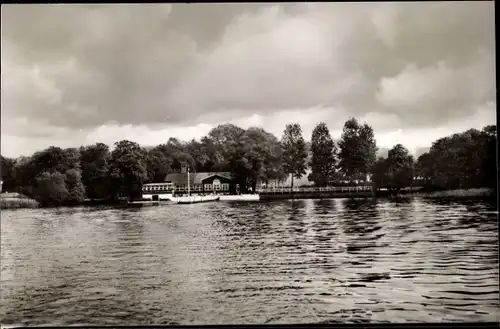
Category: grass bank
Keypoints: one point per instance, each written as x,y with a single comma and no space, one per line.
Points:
459,194
17,202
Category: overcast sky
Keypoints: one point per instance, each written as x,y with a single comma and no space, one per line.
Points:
80,74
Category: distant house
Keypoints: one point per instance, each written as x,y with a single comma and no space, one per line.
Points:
204,182
199,183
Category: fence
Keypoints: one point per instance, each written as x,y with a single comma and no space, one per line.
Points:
344,189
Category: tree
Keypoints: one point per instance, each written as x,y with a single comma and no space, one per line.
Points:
424,168
180,159
273,163
128,169
94,162
8,176
368,147
400,167
462,160
51,189
200,155
489,168
49,160
25,172
71,160
215,161
227,152
294,151
74,186
457,160
358,149
380,173
260,154
226,140
56,159
323,160
158,165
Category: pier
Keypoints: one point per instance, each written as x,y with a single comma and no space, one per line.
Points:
316,192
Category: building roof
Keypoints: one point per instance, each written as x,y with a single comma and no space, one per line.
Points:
195,178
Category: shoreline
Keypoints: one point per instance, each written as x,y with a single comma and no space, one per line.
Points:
26,203
17,201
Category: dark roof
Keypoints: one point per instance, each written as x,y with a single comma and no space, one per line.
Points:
195,178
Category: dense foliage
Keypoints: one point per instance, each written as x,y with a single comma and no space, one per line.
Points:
396,171
294,151
464,160
357,149
324,156
57,176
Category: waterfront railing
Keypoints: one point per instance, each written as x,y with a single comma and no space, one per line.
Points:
329,189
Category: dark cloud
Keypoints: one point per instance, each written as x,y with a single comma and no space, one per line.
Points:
82,66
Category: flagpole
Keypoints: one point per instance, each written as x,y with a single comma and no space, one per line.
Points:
189,184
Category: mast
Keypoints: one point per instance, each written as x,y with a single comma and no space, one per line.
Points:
189,184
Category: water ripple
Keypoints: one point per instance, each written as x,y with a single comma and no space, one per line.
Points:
302,261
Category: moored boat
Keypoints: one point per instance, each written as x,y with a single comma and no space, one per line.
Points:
196,199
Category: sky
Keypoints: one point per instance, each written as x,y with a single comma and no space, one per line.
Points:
79,74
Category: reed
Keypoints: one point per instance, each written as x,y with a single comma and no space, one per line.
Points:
17,203
462,193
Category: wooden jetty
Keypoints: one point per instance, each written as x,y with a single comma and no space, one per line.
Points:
140,204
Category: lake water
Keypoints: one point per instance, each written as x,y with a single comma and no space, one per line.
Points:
304,261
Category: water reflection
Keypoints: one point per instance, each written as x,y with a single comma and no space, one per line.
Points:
298,261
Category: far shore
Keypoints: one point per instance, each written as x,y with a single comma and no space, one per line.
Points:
16,201
459,193
9,202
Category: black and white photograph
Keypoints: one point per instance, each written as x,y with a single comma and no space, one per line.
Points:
253,163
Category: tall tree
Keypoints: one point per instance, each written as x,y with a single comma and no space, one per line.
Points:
226,141
215,162
199,154
128,169
273,163
51,189
380,173
74,186
260,151
358,149
369,148
52,159
489,167
294,151
424,168
94,162
463,160
227,152
25,172
8,176
400,167
158,165
323,160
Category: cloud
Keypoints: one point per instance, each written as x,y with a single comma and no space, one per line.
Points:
416,140
77,70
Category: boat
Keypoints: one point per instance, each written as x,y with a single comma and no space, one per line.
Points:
240,197
196,199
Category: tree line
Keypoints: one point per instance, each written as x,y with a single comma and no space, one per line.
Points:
57,176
